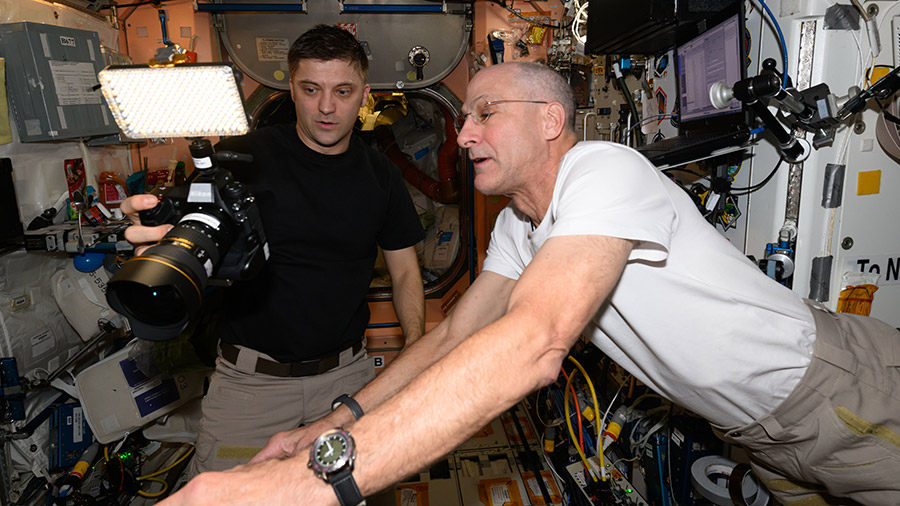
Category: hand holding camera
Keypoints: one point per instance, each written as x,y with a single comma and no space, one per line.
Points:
142,237
207,229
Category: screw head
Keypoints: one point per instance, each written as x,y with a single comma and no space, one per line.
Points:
872,10
847,243
859,127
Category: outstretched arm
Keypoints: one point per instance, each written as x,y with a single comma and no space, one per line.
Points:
557,295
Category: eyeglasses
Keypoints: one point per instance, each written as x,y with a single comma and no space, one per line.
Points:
482,111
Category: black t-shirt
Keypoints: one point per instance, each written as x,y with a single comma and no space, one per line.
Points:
323,216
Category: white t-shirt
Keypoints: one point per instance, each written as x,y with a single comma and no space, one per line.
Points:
691,317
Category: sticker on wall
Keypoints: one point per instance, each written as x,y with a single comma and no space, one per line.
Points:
748,39
350,27
661,67
661,104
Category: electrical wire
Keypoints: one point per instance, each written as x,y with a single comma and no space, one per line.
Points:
580,19
168,468
537,411
632,459
569,386
502,3
611,403
784,75
841,160
750,189
153,476
154,494
688,171
596,407
648,118
584,460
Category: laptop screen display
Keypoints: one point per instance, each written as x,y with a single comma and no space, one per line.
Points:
712,56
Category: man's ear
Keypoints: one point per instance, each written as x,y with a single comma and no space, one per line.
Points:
365,97
554,120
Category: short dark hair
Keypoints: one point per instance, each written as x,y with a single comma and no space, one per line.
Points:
328,42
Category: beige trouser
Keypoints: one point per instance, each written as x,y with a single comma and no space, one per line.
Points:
837,435
243,408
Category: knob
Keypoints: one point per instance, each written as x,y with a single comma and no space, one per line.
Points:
418,58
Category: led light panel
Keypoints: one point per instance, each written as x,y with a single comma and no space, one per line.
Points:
179,101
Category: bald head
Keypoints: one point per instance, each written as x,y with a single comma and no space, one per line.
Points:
534,81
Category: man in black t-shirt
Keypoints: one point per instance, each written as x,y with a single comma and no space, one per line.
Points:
291,339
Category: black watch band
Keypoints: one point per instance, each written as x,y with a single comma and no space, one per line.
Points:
348,401
345,488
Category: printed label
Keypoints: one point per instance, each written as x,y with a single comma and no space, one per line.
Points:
77,425
408,497
499,495
886,266
74,82
272,48
42,343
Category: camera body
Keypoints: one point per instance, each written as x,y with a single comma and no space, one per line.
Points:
217,235
220,207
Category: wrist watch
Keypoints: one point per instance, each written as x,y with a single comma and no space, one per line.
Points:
331,458
351,404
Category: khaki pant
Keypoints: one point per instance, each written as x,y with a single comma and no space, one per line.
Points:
837,435
243,408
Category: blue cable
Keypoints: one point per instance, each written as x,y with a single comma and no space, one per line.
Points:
784,74
758,130
664,493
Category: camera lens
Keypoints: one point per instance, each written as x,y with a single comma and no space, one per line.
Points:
162,289
161,304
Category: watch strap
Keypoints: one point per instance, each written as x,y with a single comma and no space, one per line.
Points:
351,403
345,488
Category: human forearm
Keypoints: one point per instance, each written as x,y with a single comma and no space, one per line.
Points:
410,363
446,404
409,305
484,302
408,291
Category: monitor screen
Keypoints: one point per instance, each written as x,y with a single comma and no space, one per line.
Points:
712,56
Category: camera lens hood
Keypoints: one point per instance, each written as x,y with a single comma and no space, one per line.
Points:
159,292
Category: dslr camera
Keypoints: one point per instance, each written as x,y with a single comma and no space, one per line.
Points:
218,235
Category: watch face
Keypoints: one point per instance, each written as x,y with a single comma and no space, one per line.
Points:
332,451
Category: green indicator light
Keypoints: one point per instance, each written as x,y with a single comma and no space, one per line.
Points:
628,490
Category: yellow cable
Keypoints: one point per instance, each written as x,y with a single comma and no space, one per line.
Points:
597,423
161,471
154,494
587,465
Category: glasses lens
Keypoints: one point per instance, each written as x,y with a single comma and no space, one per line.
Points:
460,121
481,112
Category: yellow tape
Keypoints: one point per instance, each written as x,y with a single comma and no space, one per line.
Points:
237,452
862,427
